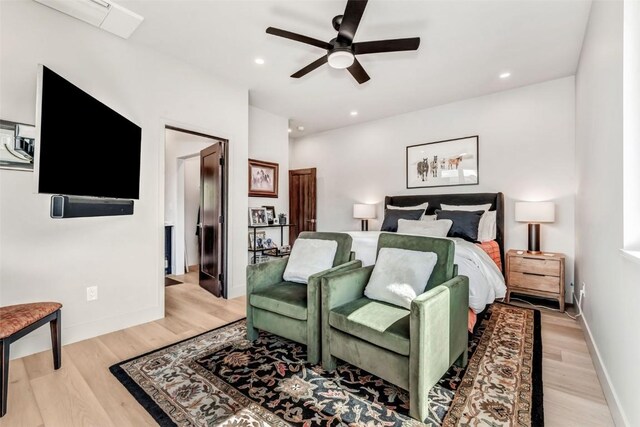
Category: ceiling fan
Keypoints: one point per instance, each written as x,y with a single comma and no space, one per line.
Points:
342,51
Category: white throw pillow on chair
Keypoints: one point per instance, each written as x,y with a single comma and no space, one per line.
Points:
308,257
400,275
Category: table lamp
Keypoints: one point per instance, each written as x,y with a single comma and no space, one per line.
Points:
534,213
364,212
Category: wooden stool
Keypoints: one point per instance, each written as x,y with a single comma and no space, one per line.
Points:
17,321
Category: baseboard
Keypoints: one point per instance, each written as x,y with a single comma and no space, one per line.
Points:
40,340
617,413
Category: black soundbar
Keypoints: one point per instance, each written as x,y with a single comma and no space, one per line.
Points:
81,207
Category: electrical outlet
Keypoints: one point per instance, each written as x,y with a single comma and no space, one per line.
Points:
583,291
92,293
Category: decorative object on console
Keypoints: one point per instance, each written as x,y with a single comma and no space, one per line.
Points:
271,214
257,241
534,213
263,178
443,163
364,213
282,219
17,145
257,217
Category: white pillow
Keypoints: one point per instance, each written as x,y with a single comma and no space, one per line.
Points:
424,206
439,228
487,227
308,257
429,217
466,208
400,275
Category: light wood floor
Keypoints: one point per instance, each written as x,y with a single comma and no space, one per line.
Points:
84,393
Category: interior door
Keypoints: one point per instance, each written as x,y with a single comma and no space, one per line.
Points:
212,232
302,201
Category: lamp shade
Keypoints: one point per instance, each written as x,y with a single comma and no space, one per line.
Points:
535,212
363,211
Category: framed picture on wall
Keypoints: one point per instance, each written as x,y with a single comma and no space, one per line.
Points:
263,179
17,145
443,163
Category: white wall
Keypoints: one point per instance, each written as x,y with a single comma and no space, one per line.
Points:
191,205
526,152
612,291
179,146
46,259
631,126
269,141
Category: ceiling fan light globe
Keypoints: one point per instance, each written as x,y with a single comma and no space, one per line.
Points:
341,59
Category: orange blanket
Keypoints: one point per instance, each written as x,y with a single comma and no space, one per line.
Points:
493,250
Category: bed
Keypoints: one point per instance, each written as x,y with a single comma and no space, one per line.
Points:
481,263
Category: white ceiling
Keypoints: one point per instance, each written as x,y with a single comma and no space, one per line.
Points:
465,45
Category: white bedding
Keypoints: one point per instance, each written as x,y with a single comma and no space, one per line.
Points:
485,279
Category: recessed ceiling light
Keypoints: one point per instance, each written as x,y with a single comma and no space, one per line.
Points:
289,130
301,128
259,61
354,113
505,75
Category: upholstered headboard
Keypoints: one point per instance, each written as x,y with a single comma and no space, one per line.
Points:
496,200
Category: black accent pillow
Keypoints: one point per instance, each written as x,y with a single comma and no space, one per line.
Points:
465,223
391,217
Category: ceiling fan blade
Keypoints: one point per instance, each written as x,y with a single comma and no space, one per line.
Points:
315,64
358,72
381,46
350,20
298,37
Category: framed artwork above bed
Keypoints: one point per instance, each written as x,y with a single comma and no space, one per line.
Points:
443,163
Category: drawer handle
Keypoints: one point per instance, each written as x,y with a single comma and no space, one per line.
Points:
534,259
535,274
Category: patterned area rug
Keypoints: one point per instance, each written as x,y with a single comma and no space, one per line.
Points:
220,379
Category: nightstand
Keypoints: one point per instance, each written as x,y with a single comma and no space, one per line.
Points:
540,275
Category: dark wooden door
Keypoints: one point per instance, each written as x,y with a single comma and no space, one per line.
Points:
302,201
212,253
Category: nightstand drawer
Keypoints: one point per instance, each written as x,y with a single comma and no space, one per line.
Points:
548,267
534,281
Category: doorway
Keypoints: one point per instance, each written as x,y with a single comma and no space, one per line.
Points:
302,201
195,193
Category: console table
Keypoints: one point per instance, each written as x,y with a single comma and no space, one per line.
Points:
275,253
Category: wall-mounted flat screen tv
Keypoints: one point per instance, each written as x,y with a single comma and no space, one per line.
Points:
84,148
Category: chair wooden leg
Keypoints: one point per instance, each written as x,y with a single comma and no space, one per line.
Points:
56,339
4,373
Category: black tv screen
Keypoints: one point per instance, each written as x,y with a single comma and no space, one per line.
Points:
85,148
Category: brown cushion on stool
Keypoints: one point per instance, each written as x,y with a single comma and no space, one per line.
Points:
16,317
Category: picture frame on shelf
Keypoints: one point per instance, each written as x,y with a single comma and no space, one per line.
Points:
451,162
263,178
271,214
257,217
259,241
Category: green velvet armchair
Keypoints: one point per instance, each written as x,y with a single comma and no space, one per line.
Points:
292,310
413,348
